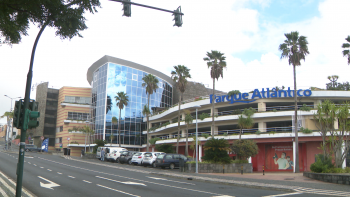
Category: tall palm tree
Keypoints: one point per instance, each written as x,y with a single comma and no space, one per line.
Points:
180,76
151,84
188,121
122,100
216,62
114,120
346,47
9,116
245,121
295,49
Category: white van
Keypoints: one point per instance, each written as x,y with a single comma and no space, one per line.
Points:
98,152
113,153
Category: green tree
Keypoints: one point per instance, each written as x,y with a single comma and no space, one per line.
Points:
180,76
333,79
153,141
98,143
341,137
215,150
245,149
151,84
245,121
166,148
114,121
122,100
109,104
216,62
193,146
86,130
346,47
188,121
233,92
66,16
294,48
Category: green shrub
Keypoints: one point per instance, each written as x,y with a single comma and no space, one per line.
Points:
245,148
98,143
305,130
322,164
274,110
153,140
198,99
205,135
18,137
305,108
233,92
204,116
215,150
167,148
225,134
236,111
239,161
258,132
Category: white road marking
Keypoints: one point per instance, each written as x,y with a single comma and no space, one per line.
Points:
223,196
117,190
86,181
59,173
29,163
34,164
170,180
41,167
71,177
287,194
7,186
49,170
28,157
48,185
13,183
127,183
3,193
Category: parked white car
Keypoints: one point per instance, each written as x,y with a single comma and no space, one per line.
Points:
113,153
150,158
114,156
138,158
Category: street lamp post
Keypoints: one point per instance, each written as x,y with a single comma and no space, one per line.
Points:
8,123
198,106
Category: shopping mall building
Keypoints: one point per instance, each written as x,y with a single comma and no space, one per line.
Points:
273,118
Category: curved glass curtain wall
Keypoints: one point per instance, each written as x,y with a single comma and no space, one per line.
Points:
129,80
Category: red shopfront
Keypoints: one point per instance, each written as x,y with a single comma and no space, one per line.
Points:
278,156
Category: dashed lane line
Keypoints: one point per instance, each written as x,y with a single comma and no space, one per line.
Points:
49,170
87,181
59,173
71,177
117,190
287,194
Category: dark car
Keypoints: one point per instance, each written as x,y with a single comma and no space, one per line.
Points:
126,156
32,148
169,160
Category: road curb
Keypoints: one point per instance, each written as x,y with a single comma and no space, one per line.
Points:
231,182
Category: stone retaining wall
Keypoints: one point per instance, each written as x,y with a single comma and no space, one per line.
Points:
217,168
89,156
329,177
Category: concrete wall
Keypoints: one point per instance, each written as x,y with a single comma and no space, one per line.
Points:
217,168
329,177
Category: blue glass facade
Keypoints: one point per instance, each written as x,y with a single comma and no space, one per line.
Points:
112,78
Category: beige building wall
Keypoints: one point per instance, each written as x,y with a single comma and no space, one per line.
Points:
63,125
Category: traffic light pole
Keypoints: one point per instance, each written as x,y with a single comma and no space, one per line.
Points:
24,127
147,6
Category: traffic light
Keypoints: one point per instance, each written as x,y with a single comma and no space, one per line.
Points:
178,17
18,114
127,8
31,115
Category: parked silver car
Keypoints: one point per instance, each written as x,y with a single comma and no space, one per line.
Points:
150,158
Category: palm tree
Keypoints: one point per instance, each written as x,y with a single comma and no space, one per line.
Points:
122,100
114,120
346,47
295,49
188,121
180,76
151,84
109,104
245,121
9,116
215,61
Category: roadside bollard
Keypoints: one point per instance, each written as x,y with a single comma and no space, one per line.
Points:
241,169
263,170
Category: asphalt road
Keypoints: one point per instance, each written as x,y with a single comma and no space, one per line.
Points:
48,175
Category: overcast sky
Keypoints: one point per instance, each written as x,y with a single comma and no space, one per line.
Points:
248,32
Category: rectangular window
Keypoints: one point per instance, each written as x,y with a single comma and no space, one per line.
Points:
134,77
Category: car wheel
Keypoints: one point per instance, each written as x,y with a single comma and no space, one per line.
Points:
129,162
172,166
117,160
154,165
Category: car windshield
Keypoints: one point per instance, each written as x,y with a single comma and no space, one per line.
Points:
148,154
138,154
124,152
160,156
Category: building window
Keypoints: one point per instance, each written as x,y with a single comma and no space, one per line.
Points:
78,116
134,77
77,99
